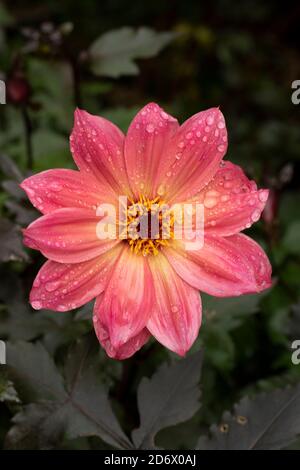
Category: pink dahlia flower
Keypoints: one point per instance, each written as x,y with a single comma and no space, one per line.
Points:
155,294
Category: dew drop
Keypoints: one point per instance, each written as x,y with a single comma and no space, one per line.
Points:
161,190
255,215
36,305
51,286
150,128
210,120
56,186
212,193
263,196
210,202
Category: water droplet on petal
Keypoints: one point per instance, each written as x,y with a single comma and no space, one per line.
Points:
36,305
150,128
51,286
263,196
210,120
255,215
210,202
161,190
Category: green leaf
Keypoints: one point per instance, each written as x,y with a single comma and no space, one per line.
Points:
79,404
268,421
113,53
171,396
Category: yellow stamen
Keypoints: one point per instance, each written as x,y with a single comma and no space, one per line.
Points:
145,207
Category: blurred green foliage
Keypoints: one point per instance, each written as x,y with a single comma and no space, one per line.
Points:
241,56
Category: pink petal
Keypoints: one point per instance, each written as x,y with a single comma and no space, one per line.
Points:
67,236
194,155
123,310
124,351
55,189
176,315
97,148
224,267
257,259
64,287
146,143
231,201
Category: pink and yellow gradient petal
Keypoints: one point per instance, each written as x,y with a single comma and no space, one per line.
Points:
67,235
63,287
176,314
146,144
122,312
56,189
223,267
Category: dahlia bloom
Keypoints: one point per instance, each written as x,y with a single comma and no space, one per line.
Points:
158,293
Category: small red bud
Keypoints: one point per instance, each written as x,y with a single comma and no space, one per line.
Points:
18,90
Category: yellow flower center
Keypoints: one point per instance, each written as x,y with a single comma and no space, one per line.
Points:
149,225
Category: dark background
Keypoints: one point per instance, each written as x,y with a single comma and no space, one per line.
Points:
241,56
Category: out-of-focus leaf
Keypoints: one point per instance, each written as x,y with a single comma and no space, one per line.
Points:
11,248
13,189
23,215
291,239
219,347
229,312
268,421
29,425
78,405
113,54
294,323
7,391
171,396
5,17
289,209
9,168
51,150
